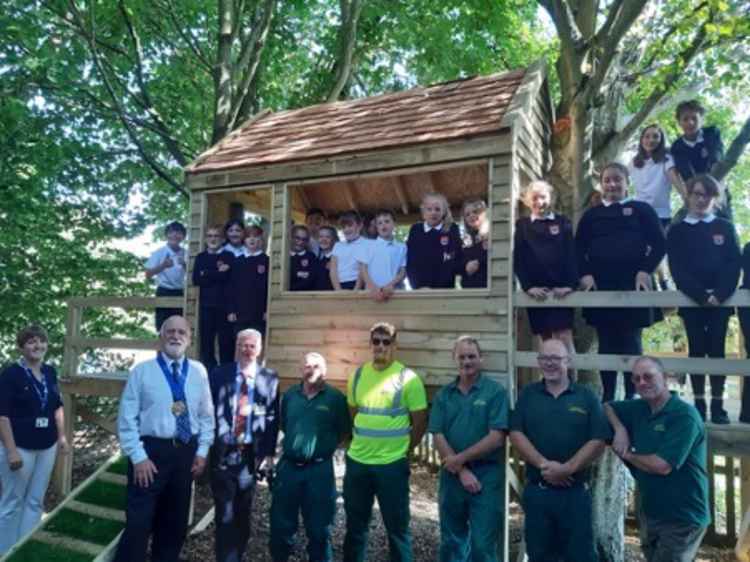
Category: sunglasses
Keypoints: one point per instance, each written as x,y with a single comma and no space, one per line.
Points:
381,341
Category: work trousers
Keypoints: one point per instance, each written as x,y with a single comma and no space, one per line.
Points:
309,489
618,340
162,508
390,484
706,332
233,488
669,541
22,494
470,524
558,525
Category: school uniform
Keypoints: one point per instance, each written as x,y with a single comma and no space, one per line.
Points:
615,241
544,255
303,271
30,405
384,259
323,275
433,256
246,424
169,282
348,257
653,186
744,315
247,292
474,249
212,315
237,251
704,258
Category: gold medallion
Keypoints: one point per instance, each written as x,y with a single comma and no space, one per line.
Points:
179,408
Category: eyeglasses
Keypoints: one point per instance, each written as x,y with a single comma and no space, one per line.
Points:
467,357
550,358
645,377
381,341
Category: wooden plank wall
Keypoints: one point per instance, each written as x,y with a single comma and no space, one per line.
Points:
196,233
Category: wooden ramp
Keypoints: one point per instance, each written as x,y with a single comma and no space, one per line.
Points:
86,526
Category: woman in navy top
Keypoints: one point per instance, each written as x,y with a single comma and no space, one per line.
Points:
31,428
619,245
704,258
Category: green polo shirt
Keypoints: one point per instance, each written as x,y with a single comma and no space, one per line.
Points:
313,427
559,427
466,419
677,435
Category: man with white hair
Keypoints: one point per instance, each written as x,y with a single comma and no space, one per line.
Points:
166,426
315,421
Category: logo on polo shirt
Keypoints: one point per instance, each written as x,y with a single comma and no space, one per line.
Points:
660,427
480,402
323,407
578,410
627,211
261,269
447,256
304,262
719,239
554,229
444,240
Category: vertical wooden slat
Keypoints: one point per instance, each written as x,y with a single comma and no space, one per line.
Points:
729,469
711,532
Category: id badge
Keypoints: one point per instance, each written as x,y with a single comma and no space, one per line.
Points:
42,423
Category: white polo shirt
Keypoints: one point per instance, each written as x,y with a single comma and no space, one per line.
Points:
652,185
383,260
172,277
348,257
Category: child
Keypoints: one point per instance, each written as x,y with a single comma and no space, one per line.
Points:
167,264
234,233
433,256
544,260
348,254
302,262
476,242
327,238
314,219
247,290
705,260
211,272
744,315
698,149
383,266
653,173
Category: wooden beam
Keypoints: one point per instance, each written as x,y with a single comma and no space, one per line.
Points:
625,299
126,302
398,187
94,386
303,197
115,343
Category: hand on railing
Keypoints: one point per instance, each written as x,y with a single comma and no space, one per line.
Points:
643,281
587,283
538,293
561,292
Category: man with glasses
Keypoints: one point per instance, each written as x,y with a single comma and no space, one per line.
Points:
559,429
388,404
469,420
662,440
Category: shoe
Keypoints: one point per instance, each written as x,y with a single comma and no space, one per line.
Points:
718,413
700,405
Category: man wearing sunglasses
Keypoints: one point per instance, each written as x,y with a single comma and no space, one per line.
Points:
389,407
559,429
662,440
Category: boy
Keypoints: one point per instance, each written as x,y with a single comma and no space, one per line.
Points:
167,264
347,255
247,290
302,263
211,272
327,238
314,219
383,267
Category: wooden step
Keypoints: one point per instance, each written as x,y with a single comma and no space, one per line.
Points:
113,478
68,542
96,510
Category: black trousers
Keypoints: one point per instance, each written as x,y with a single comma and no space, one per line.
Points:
706,332
213,325
162,508
161,314
618,340
744,316
233,488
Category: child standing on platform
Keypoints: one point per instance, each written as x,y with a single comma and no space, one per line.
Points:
433,256
314,220
303,267
167,265
211,272
476,242
544,258
384,265
327,239
347,254
247,291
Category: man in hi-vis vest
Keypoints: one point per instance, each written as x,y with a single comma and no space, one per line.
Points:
389,407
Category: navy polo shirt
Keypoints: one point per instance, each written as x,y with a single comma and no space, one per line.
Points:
20,403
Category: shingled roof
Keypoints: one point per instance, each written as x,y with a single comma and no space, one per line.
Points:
452,110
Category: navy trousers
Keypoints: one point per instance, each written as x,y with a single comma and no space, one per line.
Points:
233,488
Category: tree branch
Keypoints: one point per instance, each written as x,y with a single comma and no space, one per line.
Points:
721,169
185,35
223,72
347,40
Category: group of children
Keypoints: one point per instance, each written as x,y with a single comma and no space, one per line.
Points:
621,241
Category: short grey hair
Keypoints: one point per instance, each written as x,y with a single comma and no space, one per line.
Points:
319,357
650,359
249,333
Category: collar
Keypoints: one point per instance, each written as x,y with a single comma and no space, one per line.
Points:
216,251
695,220
427,227
548,217
300,253
300,388
357,239
542,388
669,405
384,241
326,254
253,254
253,370
169,360
476,386
608,203
698,139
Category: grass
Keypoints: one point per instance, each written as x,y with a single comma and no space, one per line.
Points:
120,466
105,494
84,527
34,551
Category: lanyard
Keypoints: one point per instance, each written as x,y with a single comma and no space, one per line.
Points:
42,393
176,386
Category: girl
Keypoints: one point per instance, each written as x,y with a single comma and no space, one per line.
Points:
619,245
476,242
32,428
234,233
704,258
327,238
433,255
247,289
653,173
544,259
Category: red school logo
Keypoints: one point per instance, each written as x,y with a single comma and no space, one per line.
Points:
444,240
304,263
719,239
627,211
261,269
554,229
